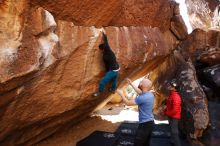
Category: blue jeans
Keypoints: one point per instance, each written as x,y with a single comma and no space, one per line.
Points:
110,76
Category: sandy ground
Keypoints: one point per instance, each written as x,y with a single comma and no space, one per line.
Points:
106,119
110,117
70,136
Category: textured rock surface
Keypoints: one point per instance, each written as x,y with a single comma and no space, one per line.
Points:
11,36
26,44
58,67
204,14
210,78
155,13
203,46
50,69
177,25
210,56
213,74
195,105
195,116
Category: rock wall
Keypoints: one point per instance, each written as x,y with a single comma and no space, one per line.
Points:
204,14
177,25
202,46
198,56
209,77
154,13
195,116
51,67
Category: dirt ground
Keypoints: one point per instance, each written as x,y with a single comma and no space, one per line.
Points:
70,136
103,119
106,119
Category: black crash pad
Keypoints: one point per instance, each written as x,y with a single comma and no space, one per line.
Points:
125,134
99,138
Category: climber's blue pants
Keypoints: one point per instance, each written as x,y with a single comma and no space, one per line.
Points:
110,76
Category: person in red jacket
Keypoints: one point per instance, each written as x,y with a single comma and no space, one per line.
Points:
173,111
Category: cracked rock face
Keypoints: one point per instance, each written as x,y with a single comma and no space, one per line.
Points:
204,14
51,65
195,116
50,69
177,25
210,56
154,13
202,46
211,81
195,109
214,73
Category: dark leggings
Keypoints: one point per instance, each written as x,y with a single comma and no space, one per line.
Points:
174,131
143,134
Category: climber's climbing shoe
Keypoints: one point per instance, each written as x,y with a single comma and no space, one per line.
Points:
96,94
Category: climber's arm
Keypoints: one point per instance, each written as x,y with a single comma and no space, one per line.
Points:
125,100
134,87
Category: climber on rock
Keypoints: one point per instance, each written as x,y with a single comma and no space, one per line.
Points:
111,65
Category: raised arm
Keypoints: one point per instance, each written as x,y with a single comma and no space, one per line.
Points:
125,100
104,41
104,37
134,87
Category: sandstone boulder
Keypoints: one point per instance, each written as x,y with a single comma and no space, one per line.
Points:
202,45
178,27
155,13
57,69
50,67
210,56
204,14
195,105
195,116
210,80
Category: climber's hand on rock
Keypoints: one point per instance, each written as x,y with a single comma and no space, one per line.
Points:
104,36
128,80
103,31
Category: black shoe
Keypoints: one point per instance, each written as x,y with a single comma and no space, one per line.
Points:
112,90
